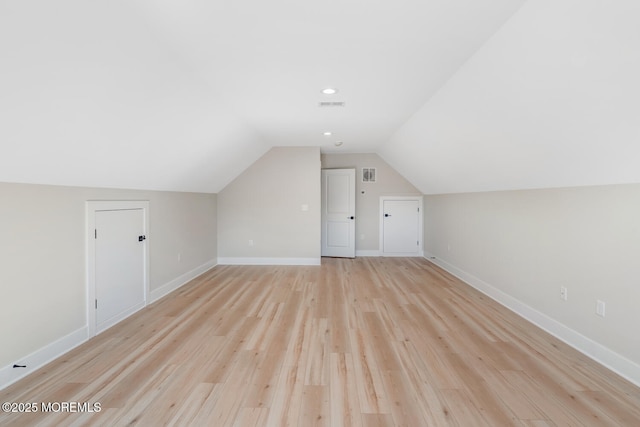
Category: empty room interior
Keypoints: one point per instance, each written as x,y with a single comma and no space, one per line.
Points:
382,213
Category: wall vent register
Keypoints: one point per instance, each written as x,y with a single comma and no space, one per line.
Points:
368,174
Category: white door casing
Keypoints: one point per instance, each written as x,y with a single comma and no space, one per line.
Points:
338,213
401,226
117,261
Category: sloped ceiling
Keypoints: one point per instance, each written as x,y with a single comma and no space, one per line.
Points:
551,100
90,96
457,95
184,95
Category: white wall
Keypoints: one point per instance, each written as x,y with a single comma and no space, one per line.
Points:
388,183
42,256
524,245
264,204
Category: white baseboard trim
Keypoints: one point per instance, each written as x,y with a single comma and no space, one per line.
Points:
39,358
179,281
368,253
395,255
119,317
596,351
267,261
382,254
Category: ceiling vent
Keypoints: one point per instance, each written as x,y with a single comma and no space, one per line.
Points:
331,104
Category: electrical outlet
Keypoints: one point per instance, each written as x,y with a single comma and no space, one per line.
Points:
563,293
600,306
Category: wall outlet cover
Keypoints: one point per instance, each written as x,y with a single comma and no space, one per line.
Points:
600,308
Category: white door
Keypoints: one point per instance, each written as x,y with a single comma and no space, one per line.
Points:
401,227
119,265
338,213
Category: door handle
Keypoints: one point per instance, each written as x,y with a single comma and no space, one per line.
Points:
141,238
352,217
386,215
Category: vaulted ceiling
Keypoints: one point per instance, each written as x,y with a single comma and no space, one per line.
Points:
457,95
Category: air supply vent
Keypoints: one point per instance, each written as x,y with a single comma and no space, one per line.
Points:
368,174
331,104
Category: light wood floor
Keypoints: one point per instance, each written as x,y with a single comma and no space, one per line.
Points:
364,342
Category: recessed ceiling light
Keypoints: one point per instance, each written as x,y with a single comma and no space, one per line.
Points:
330,91
338,144
327,133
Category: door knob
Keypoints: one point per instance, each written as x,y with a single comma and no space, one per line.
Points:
386,215
352,217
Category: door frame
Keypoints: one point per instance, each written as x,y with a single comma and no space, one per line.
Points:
323,204
93,206
418,199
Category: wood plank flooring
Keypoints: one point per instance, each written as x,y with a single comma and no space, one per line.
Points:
364,342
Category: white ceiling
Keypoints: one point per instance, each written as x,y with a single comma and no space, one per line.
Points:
269,60
184,95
